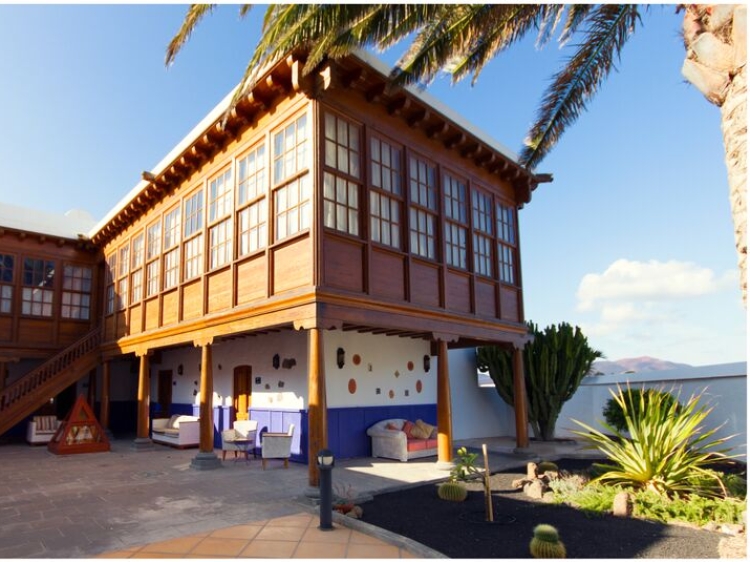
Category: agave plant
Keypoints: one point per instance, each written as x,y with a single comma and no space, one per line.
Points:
666,449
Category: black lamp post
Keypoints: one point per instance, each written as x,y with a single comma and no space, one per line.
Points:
325,465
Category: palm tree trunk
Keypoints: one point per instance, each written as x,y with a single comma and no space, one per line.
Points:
715,63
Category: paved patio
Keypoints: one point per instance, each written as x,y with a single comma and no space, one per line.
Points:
129,504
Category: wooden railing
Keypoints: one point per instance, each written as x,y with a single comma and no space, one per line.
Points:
24,396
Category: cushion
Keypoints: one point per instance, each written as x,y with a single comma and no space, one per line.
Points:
418,432
416,444
430,444
426,429
408,426
228,435
174,421
433,435
392,426
170,431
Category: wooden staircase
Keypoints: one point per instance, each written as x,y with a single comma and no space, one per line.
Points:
30,392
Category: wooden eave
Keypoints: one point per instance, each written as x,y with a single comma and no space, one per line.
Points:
80,243
285,77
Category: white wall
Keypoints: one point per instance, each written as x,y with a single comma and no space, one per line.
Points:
383,376
477,411
725,390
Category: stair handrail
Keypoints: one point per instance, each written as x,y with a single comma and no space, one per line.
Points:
49,369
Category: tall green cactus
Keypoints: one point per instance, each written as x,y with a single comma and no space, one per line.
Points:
555,362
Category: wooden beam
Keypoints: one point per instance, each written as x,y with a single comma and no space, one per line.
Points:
455,140
444,411
375,94
398,106
317,407
438,131
418,118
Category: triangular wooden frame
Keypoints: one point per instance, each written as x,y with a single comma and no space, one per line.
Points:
79,432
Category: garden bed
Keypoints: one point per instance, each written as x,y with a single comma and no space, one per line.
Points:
459,529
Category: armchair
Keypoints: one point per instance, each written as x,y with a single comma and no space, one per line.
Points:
242,429
41,429
277,446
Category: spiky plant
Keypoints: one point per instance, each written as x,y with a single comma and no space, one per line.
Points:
666,449
452,491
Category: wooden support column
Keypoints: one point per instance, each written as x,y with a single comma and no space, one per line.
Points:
142,439
444,411
317,411
104,411
206,458
519,399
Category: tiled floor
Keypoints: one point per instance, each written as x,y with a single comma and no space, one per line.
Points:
293,536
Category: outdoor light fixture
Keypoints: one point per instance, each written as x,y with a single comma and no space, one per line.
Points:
340,357
325,465
276,361
426,361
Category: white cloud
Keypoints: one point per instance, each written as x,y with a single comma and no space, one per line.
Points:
662,309
633,281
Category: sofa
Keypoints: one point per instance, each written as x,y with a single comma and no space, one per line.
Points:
41,429
178,431
398,439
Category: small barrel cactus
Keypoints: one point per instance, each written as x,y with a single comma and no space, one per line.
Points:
546,543
546,466
452,491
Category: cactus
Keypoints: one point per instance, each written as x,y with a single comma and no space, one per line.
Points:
546,543
546,466
555,361
452,491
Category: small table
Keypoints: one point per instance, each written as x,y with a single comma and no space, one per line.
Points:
243,445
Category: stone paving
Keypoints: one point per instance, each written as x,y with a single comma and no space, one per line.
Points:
86,505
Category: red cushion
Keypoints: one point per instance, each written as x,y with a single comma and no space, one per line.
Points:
416,444
430,443
407,428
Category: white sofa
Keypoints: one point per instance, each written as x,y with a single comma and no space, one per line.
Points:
41,429
394,443
178,431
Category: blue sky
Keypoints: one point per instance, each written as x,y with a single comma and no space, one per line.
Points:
632,241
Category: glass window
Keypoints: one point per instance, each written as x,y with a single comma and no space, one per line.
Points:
481,209
341,204
172,228
506,234
7,264
38,287
251,175
137,252
292,203
154,241
194,257
124,261
136,286
110,280
455,226
152,278
253,232
76,295
194,214
385,164
221,244
220,196
342,146
423,210
290,150
171,268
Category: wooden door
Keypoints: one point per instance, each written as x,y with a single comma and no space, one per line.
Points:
242,391
164,397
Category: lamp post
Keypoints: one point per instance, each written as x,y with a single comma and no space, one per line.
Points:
325,465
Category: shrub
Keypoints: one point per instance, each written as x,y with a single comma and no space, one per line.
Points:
614,414
667,449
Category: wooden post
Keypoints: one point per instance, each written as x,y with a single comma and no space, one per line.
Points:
444,413
519,399
207,401
142,439
206,459
317,411
104,411
144,395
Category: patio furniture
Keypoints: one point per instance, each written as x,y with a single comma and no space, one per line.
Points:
277,446
240,438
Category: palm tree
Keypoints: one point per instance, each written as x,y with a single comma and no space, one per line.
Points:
462,39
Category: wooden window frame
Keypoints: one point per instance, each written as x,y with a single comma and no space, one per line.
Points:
38,292
455,221
7,282
483,237
423,209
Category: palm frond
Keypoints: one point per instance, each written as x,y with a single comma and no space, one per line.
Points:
609,27
195,13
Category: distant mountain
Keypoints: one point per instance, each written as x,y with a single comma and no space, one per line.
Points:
635,364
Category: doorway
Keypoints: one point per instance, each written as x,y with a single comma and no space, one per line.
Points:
242,391
164,397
